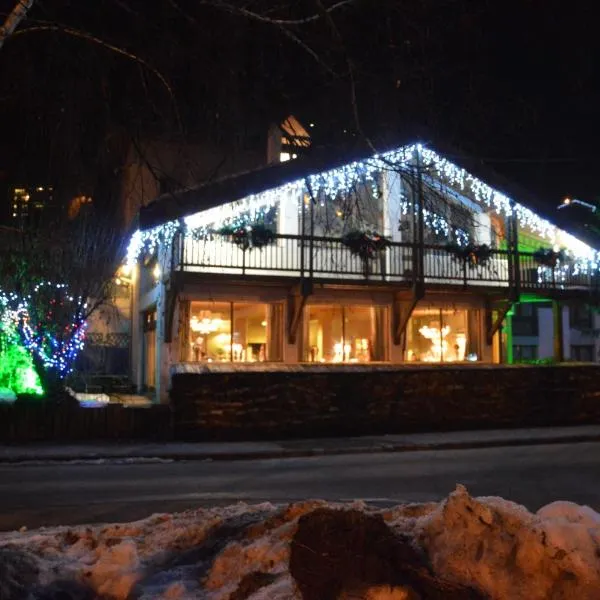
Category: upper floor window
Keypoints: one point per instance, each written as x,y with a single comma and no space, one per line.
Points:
525,319
361,208
581,316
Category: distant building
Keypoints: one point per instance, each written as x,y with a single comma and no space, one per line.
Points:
159,167
28,203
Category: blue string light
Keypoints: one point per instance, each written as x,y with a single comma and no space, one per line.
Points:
55,351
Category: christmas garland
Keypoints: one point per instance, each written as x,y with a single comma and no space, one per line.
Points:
248,236
472,254
547,257
366,244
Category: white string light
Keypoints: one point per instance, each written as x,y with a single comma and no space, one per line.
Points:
329,184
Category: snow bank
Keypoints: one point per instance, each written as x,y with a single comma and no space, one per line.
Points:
496,547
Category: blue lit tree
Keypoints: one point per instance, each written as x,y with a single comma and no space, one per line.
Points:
52,278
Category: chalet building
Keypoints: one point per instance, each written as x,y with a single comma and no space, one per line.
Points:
400,257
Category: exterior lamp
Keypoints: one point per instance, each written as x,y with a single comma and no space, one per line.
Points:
570,201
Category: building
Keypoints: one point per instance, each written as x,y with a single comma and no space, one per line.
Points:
396,257
529,332
28,204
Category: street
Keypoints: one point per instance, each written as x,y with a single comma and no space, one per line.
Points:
52,494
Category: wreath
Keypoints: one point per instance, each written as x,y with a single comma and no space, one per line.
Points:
366,244
472,254
547,257
248,236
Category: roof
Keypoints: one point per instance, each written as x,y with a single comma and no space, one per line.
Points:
176,205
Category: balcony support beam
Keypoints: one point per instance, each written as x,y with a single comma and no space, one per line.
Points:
494,326
403,310
296,302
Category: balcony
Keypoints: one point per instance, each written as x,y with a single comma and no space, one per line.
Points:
329,259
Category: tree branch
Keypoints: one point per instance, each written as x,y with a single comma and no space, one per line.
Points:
92,38
282,22
18,13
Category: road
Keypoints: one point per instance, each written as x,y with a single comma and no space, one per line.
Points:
68,494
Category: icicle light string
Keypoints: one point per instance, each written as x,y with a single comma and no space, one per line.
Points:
342,180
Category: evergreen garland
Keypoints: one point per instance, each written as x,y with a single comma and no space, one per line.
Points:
472,254
547,257
248,236
366,244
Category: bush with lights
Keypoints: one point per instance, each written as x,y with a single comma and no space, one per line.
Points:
42,334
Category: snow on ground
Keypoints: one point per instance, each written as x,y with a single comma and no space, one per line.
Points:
490,544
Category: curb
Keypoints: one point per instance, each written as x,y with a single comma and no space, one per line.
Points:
313,452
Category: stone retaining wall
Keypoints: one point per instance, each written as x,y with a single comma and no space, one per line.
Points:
221,403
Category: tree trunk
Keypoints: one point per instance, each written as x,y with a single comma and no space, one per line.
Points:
51,381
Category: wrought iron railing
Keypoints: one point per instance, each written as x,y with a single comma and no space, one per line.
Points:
330,259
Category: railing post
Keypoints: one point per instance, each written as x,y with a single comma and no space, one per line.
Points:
514,262
420,251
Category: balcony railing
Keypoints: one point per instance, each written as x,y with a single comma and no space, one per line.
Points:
323,258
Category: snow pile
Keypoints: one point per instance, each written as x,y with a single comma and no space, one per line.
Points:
496,547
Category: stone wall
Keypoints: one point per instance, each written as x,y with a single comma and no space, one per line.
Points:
224,403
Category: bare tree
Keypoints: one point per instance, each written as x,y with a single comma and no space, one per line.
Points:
52,278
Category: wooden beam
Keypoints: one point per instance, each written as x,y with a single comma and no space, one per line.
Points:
296,302
403,310
495,325
172,294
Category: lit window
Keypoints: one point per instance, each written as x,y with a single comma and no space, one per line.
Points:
335,334
235,332
437,335
284,156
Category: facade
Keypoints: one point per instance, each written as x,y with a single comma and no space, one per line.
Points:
529,332
397,257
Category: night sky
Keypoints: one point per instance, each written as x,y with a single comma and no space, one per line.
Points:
513,84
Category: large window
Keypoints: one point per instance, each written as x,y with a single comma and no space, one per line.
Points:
361,208
235,332
524,352
581,317
582,352
336,334
442,335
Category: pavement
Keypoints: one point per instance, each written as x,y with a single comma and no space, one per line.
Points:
234,451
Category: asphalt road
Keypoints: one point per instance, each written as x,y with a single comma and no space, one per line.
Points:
52,494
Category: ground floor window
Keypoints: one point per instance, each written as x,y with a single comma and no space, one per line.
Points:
582,352
523,352
335,334
235,332
442,335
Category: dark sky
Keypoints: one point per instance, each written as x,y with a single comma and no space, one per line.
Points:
512,83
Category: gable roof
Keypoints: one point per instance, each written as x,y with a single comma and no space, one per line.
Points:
177,205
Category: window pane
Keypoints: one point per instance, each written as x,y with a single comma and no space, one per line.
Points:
210,331
344,334
255,336
250,332
358,333
455,328
435,335
424,336
323,334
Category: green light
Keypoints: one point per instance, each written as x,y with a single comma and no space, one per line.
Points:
17,372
